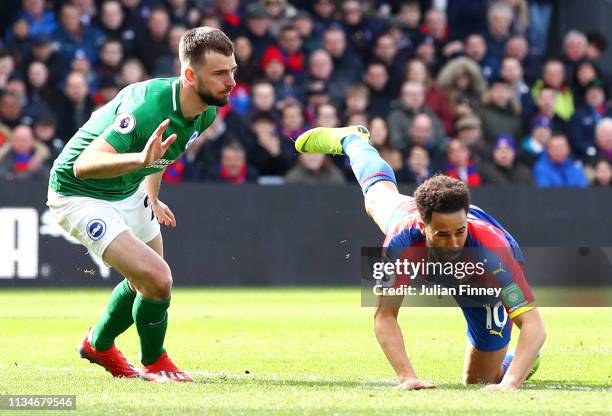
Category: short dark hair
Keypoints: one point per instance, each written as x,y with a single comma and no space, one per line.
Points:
443,194
196,42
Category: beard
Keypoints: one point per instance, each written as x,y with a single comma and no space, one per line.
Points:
208,97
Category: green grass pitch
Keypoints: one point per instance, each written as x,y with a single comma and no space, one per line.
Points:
291,351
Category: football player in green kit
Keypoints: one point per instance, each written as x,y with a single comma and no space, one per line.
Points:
104,187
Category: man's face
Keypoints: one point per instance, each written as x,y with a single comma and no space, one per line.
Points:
499,24
76,88
546,101
352,13
23,141
475,47
386,49
446,230
511,70
413,96
112,53
603,138
232,160
334,43
458,154
159,23
292,118
517,48
324,8
595,97
290,41
558,149
554,74
327,117
112,15
500,94
320,65
575,48
263,96
421,130
214,79
436,23
503,156
70,19
10,110
376,77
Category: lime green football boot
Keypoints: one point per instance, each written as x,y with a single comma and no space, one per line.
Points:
328,140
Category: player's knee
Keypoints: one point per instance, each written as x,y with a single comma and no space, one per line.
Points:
473,378
160,278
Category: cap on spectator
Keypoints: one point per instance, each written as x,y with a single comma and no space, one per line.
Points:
541,121
271,54
316,87
468,122
505,140
40,40
256,11
596,83
46,118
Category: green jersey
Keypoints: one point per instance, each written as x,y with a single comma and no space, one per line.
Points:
127,122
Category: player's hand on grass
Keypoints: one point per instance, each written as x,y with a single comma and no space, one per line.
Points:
155,147
163,214
499,387
416,384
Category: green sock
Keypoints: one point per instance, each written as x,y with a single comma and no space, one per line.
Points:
151,317
116,319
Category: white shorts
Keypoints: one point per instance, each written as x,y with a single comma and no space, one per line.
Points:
96,222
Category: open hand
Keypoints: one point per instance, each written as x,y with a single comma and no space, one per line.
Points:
416,384
163,213
155,147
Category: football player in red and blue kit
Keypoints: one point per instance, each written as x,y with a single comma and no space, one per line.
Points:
440,218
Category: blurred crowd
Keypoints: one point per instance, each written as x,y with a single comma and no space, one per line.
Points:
471,88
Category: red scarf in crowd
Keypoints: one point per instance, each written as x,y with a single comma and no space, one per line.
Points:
473,177
238,179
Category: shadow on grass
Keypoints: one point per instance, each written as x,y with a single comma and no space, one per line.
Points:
540,384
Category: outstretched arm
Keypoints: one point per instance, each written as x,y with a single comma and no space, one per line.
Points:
391,340
530,341
101,160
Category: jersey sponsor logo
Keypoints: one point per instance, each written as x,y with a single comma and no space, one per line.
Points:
513,295
160,163
125,123
96,229
192,139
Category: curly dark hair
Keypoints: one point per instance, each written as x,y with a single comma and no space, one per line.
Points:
441,193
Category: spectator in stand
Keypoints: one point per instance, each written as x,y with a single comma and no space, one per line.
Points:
518,48
233,168
107,90
23,158
575,46
267,156
520,15
113,24
504,169
17,39
535,143
499,21
280,12
11,112
409,18
316,95
545,107
583,122
43,51
512,73
320,69
41,21
500,112
361,30
263,99
111,57
586,72
379,133
273,67
357,119
460,166
324,14
469,131
184,13
603,139
435,30
73,35
45,132
248,67
257,29
556,168
554,77
315,169
417,166
290,48
602,174
327,116
476,49
41,92
152,43
463,84
376,79
357,100
75,105
386,52
131,71
292,125
597,45
435,99
421,134
7,67
411,103
348,66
